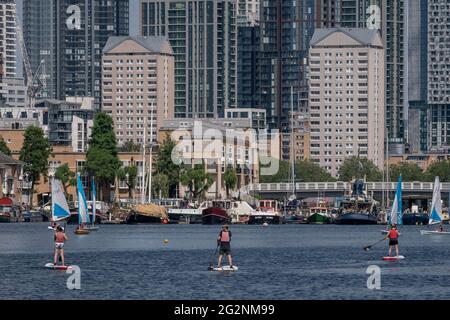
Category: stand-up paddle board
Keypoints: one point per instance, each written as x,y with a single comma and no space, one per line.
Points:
393,258
53,267
429,233
226,268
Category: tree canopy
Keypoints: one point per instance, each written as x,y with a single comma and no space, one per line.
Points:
101,159
410,172
359,168
4,147
35,153
230,180
197,180
66,176
165,166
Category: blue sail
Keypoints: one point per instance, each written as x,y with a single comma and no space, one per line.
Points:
60,208
83,214
396,215
94,199
436,205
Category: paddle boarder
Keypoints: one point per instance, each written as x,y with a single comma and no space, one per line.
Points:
60,239
393,239
223,241
441,227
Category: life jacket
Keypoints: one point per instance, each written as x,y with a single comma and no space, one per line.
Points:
393,234
225,236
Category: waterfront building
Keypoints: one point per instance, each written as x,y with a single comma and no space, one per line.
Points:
218,144
346,96
8,38
14,92
416,101
69,122
438,76
69,36
138,86
202,34
389,18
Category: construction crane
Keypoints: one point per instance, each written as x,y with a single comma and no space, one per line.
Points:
33,83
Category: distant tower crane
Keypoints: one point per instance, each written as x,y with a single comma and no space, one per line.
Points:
36,82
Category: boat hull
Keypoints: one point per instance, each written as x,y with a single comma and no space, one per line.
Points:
415,219
318,219
215,215
143,219
73,219
356,219
5,219
261,219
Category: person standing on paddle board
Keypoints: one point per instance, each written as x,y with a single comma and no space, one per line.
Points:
60,239
393,239
223,241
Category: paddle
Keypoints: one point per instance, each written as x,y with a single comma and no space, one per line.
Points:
211,266
373,244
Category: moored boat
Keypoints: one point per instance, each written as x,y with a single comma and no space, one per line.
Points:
5,217
147,214
319,214
267,212
357,208
215,215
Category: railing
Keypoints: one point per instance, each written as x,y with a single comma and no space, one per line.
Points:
342,186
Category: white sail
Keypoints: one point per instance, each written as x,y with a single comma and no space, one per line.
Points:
83,215
60,208
436,204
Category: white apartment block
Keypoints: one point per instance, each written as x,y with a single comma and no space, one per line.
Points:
346,97
138,86
8,38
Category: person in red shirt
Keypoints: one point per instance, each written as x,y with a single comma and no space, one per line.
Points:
223,241
393,239
60,239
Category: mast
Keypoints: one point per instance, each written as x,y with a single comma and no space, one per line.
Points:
143,163
292,146
151,157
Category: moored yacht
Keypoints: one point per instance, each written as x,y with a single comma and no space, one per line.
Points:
267,212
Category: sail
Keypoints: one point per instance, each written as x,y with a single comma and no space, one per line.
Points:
94,198
436,204
60,208
397,210
83,215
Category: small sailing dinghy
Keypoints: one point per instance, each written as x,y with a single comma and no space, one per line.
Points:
436,216
92,227
396,214
60,208
83,215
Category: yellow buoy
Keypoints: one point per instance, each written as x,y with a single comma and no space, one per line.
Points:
166,241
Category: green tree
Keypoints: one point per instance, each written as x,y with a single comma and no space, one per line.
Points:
160,186
359,168
197,180
230,180
130,146
129,176
441,169
165,165
35,153
307,171
66,176
282,175
409,171
4,147
101,159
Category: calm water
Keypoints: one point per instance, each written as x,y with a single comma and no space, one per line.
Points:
278,262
